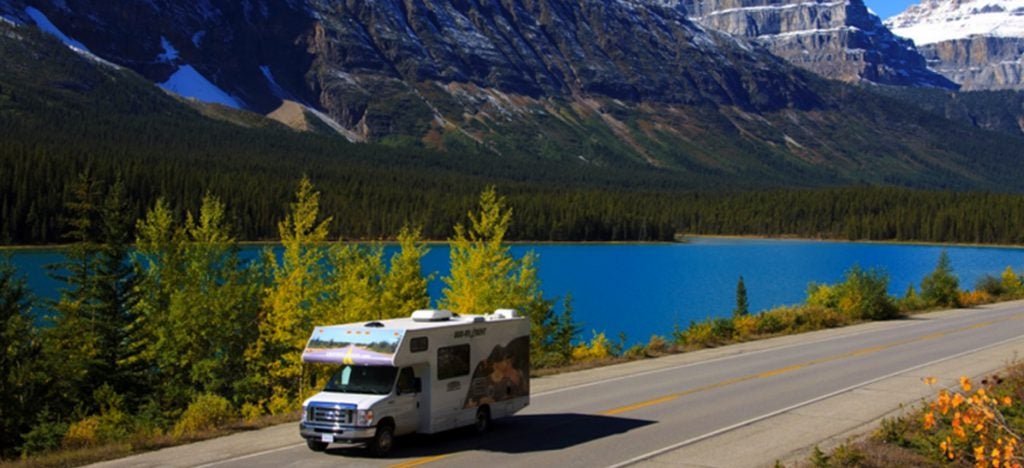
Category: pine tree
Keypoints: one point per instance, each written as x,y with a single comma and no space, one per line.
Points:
742,308
90,341
21,378
941,287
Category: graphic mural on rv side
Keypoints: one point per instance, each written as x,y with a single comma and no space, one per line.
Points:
502,376
331,345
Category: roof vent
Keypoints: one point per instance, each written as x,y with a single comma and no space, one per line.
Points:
375,324
505,314
431,315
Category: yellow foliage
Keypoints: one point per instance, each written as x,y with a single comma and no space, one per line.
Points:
83,433
280,403
599,348
745,326
700,335
1011,282
251,411
975,298
206,412
821,295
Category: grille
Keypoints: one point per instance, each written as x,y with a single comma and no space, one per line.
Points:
329,415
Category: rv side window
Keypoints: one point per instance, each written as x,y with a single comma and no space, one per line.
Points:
452,361
418,344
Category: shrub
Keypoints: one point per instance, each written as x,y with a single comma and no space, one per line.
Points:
251,411
83,433
206,412
990,285
599,348
745,326
769,323
822,295
723,330
1011,282
656,346
699,335
974,298
636,351
45,435
911,301
941,287
863,295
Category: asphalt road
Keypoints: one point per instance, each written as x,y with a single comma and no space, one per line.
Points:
624,418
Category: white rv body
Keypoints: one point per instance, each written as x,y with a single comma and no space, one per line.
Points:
448,371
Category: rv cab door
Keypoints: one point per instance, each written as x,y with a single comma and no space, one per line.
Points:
406,402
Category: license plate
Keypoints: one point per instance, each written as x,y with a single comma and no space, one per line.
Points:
327,438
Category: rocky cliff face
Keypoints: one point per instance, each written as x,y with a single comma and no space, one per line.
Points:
977,43
836,39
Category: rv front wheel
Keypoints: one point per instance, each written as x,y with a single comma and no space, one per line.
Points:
316,445
383,440
483,420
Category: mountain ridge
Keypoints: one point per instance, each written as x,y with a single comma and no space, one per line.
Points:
979,44
604,84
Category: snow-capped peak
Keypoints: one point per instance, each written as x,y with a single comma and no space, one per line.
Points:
934,21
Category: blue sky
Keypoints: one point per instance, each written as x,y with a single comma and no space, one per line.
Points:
887,8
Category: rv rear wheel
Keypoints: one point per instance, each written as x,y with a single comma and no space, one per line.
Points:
316,445
383,440
482,424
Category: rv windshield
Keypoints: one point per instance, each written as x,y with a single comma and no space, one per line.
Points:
373,380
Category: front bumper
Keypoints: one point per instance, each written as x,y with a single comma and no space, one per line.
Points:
339,433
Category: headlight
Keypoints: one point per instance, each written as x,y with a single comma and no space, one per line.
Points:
364,418
303,414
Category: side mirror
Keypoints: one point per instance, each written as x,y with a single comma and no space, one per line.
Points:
417,385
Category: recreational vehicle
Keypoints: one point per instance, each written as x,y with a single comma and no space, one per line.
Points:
428,373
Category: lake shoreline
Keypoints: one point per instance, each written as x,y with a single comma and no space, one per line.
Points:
681,239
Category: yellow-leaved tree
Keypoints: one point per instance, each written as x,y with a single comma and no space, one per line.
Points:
485,276
405,286
297,295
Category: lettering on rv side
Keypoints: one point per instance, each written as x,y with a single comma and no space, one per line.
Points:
472,333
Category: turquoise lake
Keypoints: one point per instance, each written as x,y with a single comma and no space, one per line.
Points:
643,289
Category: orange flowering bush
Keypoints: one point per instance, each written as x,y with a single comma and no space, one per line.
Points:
970,424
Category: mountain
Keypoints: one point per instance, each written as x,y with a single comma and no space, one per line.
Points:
977,43
841,40
623,85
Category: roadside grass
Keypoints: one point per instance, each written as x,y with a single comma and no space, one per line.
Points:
142,442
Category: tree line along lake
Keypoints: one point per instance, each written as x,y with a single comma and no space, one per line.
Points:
645,289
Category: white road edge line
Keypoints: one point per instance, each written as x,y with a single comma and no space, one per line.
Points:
251,455
748,422
717,359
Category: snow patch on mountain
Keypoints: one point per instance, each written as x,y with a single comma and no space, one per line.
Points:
169,54
44,24
933,21
188,82
274,87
